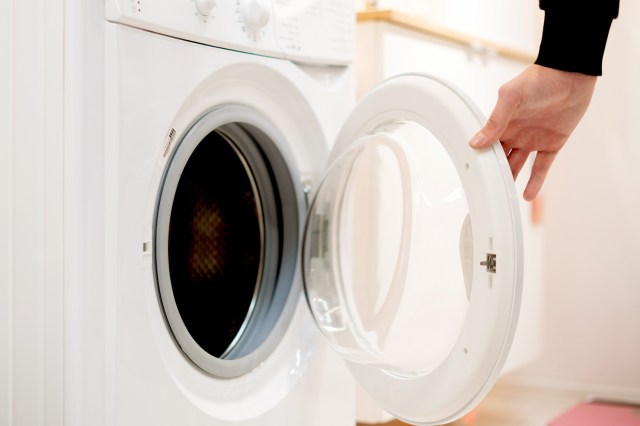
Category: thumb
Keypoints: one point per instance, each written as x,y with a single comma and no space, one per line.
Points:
497,122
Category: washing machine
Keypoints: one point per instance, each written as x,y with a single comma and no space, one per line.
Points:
264,244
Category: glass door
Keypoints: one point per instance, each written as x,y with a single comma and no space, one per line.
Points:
412,253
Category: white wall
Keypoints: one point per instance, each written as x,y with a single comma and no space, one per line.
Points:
6,122
592,235
512,23
31,214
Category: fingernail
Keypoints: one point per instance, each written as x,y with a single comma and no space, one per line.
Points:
477,140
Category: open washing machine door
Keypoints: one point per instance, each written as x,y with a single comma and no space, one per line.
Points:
412,254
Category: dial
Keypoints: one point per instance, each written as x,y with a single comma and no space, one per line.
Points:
205,6
255,14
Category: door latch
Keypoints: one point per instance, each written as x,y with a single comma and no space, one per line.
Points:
490,263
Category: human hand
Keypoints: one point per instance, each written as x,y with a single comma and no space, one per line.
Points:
536,112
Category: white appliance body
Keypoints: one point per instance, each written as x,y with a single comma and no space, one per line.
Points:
149,367
164,70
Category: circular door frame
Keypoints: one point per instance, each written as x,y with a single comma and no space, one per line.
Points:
280,108
473,365
275,274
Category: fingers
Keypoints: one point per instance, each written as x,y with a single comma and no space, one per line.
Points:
539,172
505,148
498,121
517,158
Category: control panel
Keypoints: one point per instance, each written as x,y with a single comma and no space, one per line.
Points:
305,31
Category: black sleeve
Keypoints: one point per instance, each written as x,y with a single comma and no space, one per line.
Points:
575,34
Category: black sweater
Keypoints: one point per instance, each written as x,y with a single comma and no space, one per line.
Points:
575,34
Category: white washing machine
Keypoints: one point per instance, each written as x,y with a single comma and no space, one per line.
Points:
248,219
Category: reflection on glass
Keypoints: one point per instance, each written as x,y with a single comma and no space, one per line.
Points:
382,259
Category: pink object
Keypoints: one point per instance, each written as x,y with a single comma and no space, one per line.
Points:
599,414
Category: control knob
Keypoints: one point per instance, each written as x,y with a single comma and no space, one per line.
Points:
205,6
255,14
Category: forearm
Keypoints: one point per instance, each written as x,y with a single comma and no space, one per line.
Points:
575,34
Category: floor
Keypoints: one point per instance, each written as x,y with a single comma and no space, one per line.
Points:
510,405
